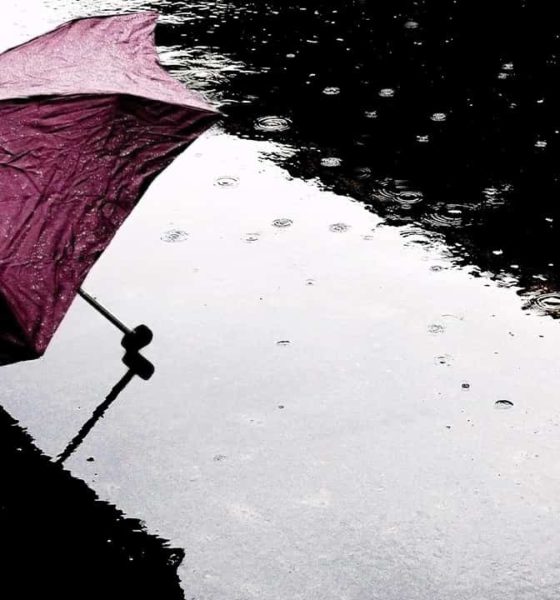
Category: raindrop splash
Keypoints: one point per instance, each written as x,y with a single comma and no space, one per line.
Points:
227,181
398,191
444,360
503,404
251,237
174,235
282,223
272,124
387,93
549,303
331,162
331,91
448,215
339,227
362,173
408,197
439,117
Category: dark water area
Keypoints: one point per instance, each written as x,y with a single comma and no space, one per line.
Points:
440,114
59,540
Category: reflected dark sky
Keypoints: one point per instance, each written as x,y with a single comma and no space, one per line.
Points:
441,114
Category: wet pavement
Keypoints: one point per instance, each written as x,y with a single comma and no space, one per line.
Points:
355,391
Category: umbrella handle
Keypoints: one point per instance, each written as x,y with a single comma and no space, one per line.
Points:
133,339
103,311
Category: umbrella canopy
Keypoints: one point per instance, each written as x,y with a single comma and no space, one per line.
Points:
88,118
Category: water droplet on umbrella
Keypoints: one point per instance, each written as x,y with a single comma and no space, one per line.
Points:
227,181
386,93
331,91
174,235
339,227
272,124
503,404
331,161
282,223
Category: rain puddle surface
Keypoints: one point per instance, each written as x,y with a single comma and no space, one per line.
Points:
431,121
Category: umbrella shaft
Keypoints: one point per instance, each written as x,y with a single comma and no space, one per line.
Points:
103,311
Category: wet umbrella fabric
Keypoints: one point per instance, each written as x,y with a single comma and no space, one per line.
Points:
88,118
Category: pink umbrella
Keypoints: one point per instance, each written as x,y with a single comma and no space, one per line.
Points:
88,118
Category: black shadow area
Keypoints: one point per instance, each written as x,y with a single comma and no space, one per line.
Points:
58,540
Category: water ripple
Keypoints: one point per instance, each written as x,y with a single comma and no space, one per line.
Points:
174,235
272,123
549,303
281,223
339,227
398,191
227,181
447,215
503,404
387,93
331,161
439,117
331,91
